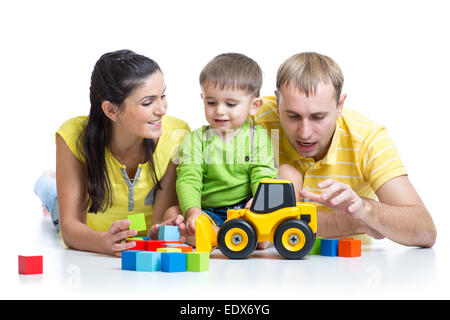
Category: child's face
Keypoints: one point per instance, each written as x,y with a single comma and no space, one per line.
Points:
228,109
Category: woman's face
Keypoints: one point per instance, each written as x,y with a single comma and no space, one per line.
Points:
143,109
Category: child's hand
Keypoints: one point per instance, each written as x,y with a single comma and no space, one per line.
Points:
175,221
191,215
113,237
249,203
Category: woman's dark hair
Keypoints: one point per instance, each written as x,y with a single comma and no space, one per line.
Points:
114,76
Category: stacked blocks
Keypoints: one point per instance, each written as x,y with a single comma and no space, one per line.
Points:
137,222
346,247
173,262
168,233
168,254
30,264
197,261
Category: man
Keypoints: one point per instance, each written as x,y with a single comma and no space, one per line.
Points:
340,159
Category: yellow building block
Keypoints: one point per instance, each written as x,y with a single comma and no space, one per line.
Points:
168,250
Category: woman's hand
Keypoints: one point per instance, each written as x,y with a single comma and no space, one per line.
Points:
113,238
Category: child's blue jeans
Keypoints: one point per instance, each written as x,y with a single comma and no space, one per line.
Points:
45,189
219,215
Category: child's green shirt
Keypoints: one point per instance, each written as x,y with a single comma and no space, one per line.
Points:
213,173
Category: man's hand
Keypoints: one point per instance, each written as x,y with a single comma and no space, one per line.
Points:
338,196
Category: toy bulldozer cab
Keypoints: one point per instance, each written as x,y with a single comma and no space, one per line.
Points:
274,216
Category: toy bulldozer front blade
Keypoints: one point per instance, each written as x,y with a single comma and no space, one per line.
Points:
205,235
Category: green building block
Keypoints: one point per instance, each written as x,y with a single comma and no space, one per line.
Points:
316,248
137,222
197,261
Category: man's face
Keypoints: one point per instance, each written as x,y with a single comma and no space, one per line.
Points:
309,122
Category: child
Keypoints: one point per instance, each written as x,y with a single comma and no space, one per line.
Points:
221,164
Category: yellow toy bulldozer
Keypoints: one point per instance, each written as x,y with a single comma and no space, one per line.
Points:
273,216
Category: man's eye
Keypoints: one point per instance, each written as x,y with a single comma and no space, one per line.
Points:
318,117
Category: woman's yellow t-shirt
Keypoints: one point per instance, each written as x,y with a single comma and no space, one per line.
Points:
129,195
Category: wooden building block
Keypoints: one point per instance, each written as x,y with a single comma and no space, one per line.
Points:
129,259
182,246
349,248
168,250
197,261
152,245
316,247
137,222
329,247
30,264
173,262
148,261
168,233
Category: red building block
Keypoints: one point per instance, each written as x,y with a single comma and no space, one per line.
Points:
152,245
349,248
30,264
140,245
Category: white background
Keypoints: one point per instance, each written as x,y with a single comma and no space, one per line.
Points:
394,55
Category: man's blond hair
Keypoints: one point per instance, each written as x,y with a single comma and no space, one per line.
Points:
305,71
233,71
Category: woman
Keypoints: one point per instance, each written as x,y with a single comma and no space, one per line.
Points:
117,161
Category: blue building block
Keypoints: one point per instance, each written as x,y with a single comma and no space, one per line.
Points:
129,259
329,247
168,233
173,262
148,261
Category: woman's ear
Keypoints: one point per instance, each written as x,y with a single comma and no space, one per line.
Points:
110,110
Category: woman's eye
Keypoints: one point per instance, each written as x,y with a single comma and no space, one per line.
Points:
147,102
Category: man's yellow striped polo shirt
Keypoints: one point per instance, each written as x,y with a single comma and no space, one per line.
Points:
361,153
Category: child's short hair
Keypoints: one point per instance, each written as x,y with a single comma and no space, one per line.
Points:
233,71
306,70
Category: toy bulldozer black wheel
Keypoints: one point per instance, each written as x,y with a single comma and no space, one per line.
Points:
293,239
236,239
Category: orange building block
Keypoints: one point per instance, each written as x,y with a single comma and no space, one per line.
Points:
349,248
184,248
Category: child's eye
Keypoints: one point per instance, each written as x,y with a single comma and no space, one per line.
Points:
211,103
231,104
